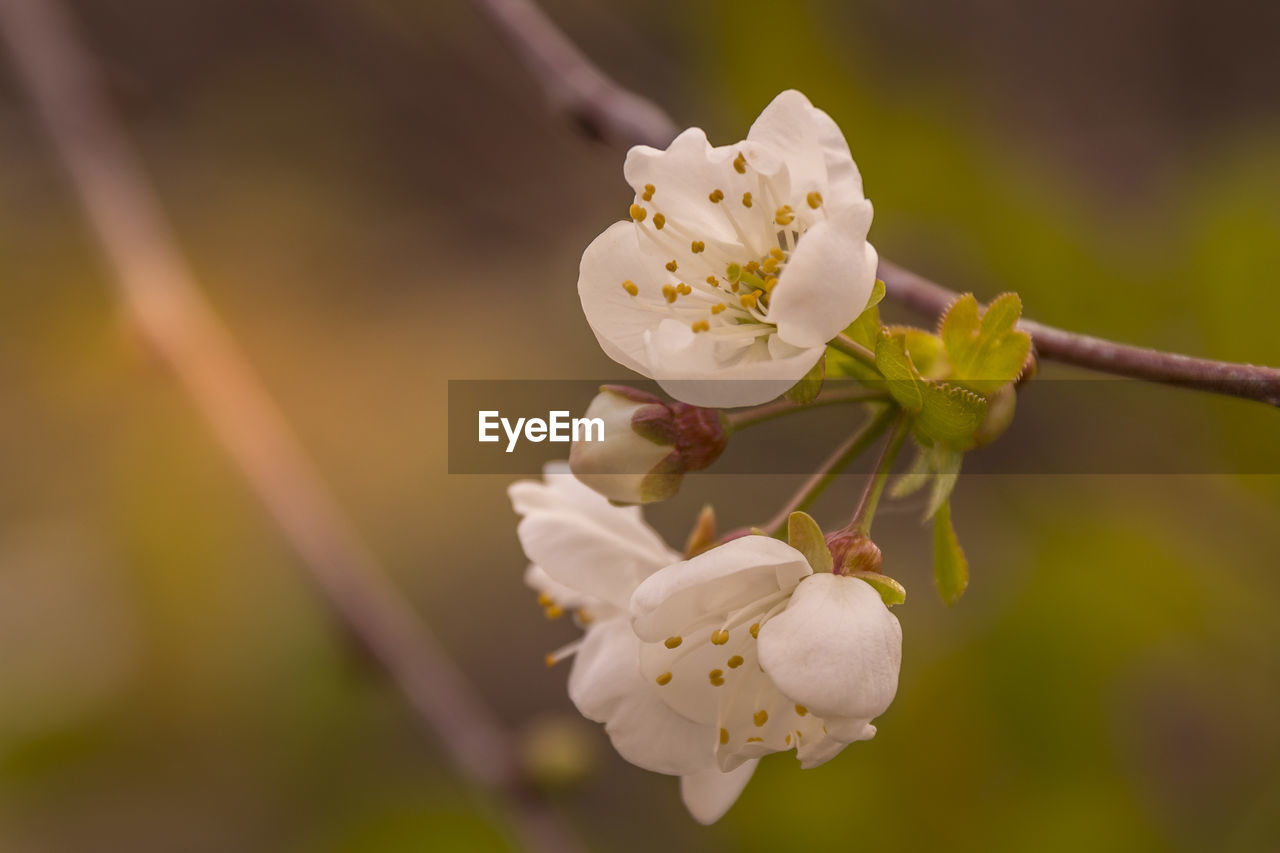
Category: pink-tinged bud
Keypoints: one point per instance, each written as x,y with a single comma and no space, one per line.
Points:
648,445
852,552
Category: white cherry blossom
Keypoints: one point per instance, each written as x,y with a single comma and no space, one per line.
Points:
739,263
748,639
589,556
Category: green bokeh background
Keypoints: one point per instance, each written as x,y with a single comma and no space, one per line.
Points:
378,200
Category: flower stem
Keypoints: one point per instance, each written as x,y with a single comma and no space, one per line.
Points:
849,346
779,408
852,448
866,511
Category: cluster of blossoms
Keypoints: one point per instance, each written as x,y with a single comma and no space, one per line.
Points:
736,267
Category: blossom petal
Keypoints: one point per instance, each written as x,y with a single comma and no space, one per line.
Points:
582,541
827,281
606,686
724,579
836,649
710,793
688,366
814,149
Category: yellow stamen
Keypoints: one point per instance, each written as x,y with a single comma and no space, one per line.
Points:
749,300
659,220
672,642
671,266
713,281
746,199
545,600
649,190
778,253
735,661
584,618
550,661
700,326
769,265
755,630
814,199
752,266
683,289
740,164
717,308
770,283
638,213
755,740
784,215
630,287
716,677
787,740
716,196
668,293
555,611
724,735
697,246
720,637
760,718
801,710
663,679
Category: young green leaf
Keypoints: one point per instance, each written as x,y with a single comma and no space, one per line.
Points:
950,568
806,390
904,381
945,464
804,534
986,351
914,478
950,415
891,592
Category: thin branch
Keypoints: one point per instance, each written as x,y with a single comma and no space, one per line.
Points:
744,418
597,104
866,511
163,300
570,77
1218,377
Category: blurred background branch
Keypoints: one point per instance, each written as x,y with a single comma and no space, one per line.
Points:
169,310
606,110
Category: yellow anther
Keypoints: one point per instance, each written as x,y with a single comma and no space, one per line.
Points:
545,600
724,735
716,196
814,199
720,637
716,677
549,660
755,630
697,246
770,283
683,289
713,281
755,740
746,199
555,611
649,190
671,266
777,253
717,308
734,285
638,213
752,266
630,287
659,220
784,215
740,164
787,740
700,326
584,618
769,265
735,661
760,717
663,679
668,293
749,300
801,710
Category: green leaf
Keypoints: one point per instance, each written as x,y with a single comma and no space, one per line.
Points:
926,351
950,568
904,381
914,478
891,592
804,534
986,351
945,465
877,295
806,390
950,415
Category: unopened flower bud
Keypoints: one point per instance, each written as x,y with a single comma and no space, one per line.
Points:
647,447
852,552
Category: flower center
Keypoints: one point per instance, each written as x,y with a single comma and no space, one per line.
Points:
721,288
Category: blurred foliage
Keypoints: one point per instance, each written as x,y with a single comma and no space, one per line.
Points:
373,191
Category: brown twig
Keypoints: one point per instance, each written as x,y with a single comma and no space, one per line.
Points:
570,77
172,314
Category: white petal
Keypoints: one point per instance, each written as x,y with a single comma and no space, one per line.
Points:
606,686
618,319
582,541
710,793
726,578
836,649
813,148
688,367
827,281
562,595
